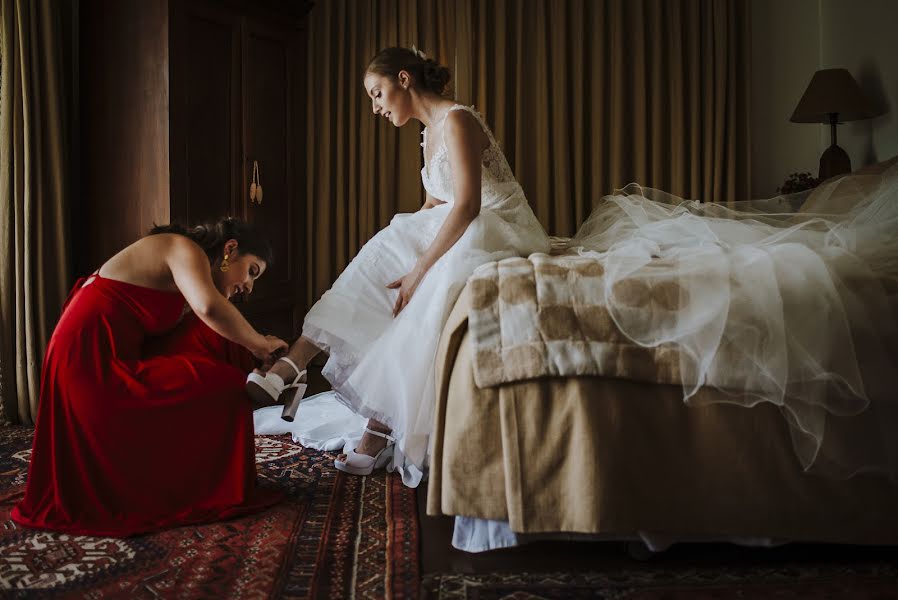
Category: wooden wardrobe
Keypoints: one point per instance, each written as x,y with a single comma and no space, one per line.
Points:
180,103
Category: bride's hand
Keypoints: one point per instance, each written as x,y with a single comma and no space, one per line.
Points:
407,286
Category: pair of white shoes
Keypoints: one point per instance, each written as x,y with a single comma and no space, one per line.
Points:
271,387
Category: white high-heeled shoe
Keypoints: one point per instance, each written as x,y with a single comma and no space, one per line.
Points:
269,387
363,464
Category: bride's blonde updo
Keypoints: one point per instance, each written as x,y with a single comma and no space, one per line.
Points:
429,74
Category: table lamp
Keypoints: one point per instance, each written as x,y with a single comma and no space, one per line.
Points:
833,96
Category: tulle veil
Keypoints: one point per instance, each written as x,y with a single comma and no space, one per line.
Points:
793,308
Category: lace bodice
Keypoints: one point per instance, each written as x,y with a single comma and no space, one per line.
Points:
498,184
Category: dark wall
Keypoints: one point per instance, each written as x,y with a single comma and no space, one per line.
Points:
122,89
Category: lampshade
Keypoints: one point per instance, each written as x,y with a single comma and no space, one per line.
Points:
832,91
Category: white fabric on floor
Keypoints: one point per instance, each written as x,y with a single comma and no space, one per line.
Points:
322,423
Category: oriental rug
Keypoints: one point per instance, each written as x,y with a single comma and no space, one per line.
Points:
865,580
334,536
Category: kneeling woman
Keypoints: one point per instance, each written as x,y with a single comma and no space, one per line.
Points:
143,421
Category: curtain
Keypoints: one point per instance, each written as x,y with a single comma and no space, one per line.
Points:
360,170
33,171
584,96
587,96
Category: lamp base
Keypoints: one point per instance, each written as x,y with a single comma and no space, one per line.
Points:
834,162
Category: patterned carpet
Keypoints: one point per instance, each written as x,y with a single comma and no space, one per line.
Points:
350,537
334,537
870,582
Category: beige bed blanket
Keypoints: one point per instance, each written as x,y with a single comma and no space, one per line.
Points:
600,455
545,316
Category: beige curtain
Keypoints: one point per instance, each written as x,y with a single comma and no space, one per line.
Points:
585,96
33,257
361,170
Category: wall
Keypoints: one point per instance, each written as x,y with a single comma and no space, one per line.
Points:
791,40
785,54
862,36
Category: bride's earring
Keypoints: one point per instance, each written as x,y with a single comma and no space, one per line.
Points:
225,267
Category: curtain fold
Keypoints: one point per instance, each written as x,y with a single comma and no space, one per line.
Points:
588,96
360,169
34,256
585,96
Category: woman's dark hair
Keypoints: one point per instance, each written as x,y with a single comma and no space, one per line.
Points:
211,237
428,73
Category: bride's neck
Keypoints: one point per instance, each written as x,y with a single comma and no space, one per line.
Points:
431,108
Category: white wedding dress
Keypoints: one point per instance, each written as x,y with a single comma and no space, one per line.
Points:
383,367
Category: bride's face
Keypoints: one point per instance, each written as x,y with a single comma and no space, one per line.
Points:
389,98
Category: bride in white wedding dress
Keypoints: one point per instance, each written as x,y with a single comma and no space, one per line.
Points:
381,320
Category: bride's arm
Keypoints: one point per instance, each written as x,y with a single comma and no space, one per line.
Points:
430,201
466,142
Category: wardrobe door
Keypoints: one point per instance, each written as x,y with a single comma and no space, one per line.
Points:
123,72
205,145
269,111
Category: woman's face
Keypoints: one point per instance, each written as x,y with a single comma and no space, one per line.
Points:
390,97
243,270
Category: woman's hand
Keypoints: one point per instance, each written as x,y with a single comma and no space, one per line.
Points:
407,286
269,347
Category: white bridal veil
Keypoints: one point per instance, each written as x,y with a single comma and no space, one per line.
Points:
797,309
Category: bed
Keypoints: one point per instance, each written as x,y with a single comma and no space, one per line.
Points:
624,457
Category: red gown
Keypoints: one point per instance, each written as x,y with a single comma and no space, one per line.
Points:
143,422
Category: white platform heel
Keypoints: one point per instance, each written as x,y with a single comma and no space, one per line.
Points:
264,389
362,464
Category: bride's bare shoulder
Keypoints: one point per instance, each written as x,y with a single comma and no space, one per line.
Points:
464,130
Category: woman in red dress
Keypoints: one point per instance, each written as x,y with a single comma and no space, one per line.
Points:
144,422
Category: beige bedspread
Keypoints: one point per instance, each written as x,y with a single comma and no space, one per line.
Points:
546,316
603,455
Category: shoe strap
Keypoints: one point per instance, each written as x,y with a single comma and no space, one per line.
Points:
380,434
292,364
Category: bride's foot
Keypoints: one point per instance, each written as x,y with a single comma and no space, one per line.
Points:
370,444
284,370
267,388
374,451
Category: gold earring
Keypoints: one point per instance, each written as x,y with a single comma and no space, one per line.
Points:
225,267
